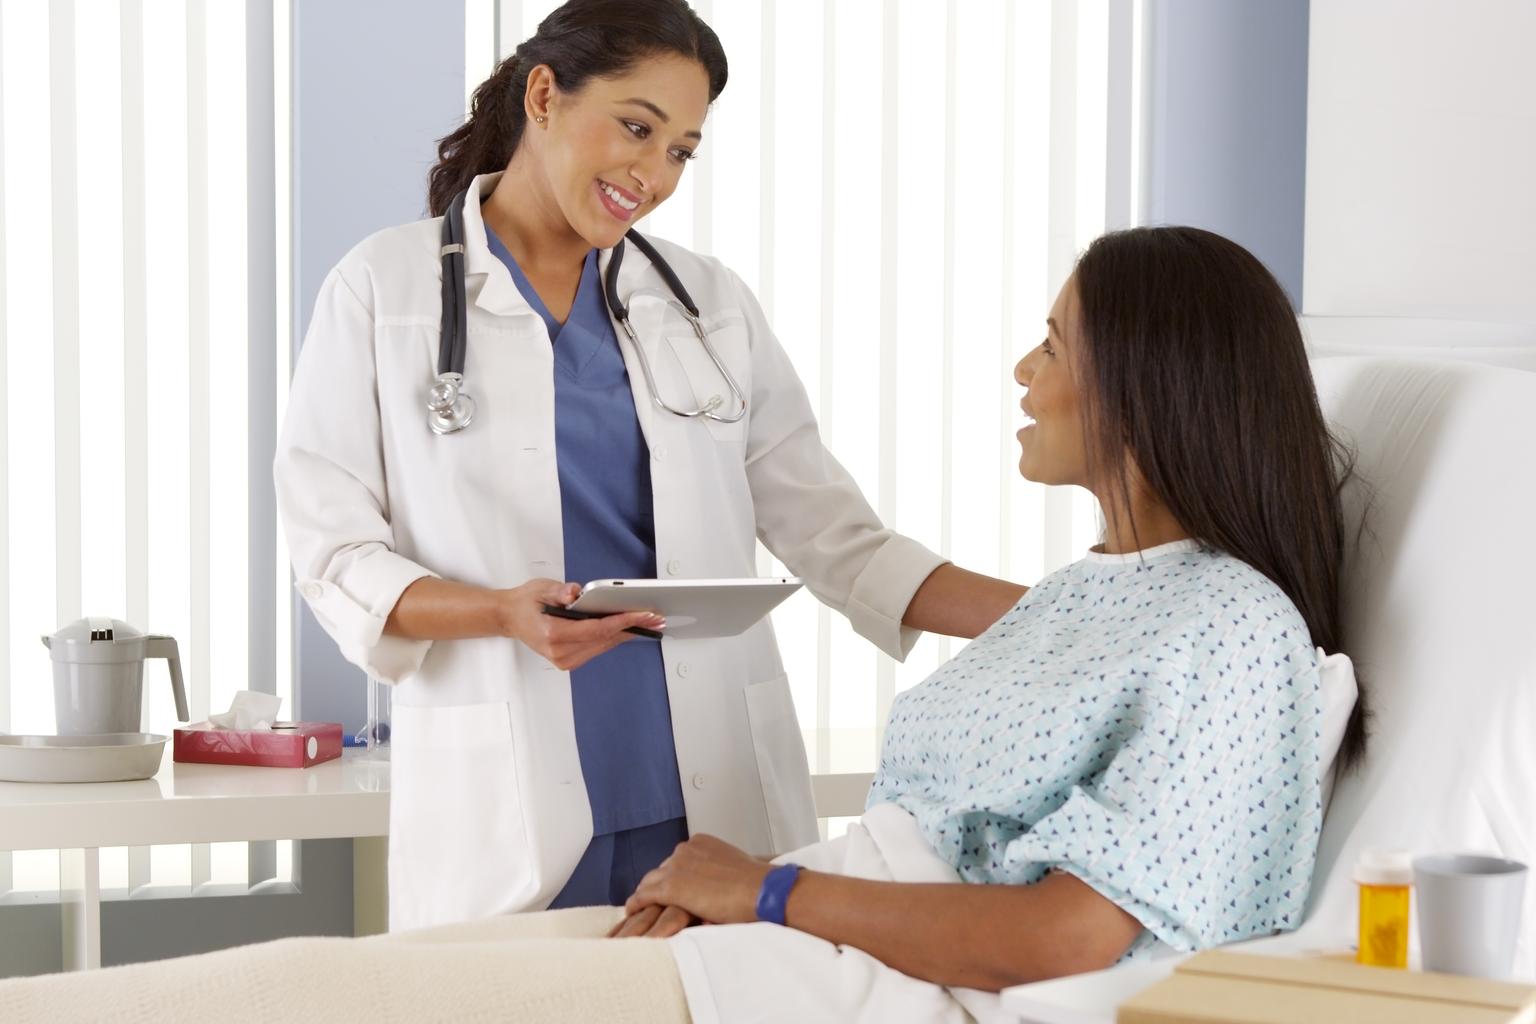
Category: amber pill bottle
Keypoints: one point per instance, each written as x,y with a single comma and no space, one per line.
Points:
1385,878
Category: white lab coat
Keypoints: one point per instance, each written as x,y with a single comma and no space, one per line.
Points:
488,810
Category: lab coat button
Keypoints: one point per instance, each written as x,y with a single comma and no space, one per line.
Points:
659,452
674,567
682,669
698,780
313,591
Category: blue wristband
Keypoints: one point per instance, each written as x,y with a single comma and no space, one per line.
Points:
773,897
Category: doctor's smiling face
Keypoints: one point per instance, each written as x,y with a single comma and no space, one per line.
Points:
592,118
1053,447
614,150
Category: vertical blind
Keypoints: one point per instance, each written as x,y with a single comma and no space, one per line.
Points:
139,407
905,186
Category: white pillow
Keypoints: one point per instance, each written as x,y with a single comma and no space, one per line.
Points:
1336,674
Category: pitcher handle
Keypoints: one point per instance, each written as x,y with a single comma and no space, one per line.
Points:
165,647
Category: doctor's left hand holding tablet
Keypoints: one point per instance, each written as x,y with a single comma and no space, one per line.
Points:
523,390
438,609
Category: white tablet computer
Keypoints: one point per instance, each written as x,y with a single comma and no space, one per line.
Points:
694,609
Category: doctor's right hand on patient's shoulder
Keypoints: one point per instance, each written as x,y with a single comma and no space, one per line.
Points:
565,643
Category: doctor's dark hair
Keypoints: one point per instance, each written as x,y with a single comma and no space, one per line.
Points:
1194,366
579,40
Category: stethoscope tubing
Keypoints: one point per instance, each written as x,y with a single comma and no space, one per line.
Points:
611,279
453,346
450,409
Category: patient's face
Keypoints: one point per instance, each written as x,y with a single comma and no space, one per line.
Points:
1052,448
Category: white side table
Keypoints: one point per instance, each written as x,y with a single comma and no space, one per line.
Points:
184,803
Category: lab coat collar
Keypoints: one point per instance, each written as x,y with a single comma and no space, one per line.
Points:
499,294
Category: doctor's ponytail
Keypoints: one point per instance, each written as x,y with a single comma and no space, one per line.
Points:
580,40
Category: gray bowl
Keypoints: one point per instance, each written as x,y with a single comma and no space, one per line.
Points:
105,757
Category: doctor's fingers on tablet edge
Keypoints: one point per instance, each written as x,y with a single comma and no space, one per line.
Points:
520,609
559,630
523,618
540,590
569,643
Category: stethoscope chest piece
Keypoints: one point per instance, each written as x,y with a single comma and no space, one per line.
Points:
448,408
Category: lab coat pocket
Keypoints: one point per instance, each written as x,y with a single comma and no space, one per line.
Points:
781,764
705,384
458,843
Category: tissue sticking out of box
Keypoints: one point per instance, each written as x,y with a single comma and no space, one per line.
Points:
250,710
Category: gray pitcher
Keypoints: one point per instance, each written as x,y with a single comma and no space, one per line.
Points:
98,675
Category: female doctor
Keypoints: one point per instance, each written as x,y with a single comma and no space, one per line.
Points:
537,761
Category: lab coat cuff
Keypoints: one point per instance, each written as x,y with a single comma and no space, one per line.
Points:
692,972
354,608
883,590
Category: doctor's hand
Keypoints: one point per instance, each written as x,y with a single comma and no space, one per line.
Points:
566,643
706,878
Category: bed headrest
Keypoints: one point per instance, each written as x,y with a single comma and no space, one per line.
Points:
1439,619
1494,343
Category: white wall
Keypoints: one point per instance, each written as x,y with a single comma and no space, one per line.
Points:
1421,160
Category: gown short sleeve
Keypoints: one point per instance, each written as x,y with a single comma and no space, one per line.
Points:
1204,824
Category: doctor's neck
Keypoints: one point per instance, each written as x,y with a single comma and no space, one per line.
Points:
523,213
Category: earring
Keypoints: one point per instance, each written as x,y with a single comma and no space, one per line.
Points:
539,119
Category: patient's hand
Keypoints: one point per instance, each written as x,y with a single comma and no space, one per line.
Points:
653,922
706,879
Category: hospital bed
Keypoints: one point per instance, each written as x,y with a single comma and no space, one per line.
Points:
1440,603
1443,626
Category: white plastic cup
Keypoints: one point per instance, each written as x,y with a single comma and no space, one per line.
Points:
1469,913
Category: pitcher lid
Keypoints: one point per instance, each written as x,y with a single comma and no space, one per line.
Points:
96,638
94,630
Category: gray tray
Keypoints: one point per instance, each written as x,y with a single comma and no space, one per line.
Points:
108,757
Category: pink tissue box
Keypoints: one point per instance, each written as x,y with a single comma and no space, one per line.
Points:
287,745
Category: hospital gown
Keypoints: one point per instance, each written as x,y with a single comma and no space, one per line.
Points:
1147,723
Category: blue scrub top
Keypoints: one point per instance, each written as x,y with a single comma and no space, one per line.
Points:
623,718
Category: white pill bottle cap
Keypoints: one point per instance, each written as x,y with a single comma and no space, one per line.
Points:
1377,866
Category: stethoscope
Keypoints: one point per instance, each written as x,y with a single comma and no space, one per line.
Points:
450,408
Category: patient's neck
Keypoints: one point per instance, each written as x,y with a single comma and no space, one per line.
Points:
1146,524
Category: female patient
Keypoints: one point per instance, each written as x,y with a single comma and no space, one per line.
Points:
1129,757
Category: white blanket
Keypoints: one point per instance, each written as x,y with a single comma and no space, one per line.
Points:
538,968
544,967
761,972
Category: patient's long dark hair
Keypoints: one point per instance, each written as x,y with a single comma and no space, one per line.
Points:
579,40
1195,366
